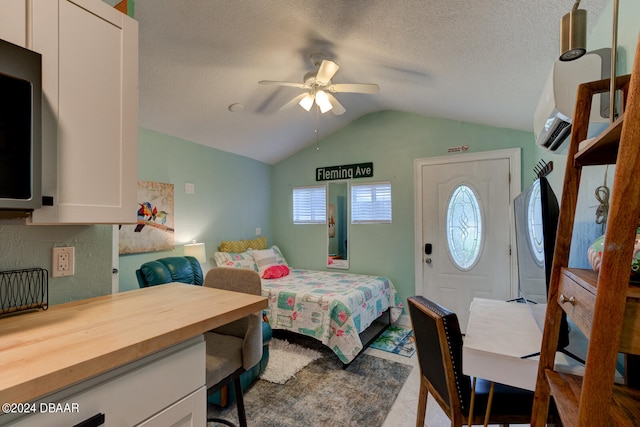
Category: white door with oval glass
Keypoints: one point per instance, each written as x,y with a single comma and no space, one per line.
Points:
465,231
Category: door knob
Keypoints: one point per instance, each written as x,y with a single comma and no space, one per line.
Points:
428,260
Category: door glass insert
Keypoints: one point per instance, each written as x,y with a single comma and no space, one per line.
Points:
464,227
534,221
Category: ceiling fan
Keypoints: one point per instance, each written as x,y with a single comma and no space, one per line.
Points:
318,87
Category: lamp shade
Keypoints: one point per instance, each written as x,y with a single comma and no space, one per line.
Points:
573,35
196,250
307,102
323,101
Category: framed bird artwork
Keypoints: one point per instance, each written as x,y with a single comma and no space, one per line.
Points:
154,230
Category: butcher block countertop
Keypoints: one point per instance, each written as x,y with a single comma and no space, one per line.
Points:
41,352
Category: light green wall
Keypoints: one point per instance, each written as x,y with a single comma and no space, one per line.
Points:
232,195
392,151
24,246
392,140
232,198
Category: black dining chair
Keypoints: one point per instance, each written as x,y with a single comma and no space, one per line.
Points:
439,351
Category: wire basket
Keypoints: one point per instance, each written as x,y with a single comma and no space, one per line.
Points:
22,290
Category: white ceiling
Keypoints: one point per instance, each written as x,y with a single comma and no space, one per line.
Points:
475,61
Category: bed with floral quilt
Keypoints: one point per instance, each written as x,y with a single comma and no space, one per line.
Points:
338,309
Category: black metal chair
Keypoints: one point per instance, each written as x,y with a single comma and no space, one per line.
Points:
439,350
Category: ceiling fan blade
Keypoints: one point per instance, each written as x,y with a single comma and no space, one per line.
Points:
290,84
293,102
338,108
326,71
354,87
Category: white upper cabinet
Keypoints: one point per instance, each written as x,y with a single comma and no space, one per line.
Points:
13,23
90,111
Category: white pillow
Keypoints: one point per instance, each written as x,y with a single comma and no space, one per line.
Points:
264,259
279,257
235,260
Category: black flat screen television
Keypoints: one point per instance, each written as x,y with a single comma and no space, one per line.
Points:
536,222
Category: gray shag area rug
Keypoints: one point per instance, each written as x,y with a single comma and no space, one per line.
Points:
323,393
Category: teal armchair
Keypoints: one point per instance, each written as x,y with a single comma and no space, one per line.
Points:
184,269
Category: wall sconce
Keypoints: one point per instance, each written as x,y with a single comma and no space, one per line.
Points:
573,44
196,250
573,34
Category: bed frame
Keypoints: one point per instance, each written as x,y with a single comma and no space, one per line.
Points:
372,333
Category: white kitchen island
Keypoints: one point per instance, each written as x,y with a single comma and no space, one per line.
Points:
134,358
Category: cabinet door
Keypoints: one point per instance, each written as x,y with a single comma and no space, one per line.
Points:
189,412
90,85
166,388
13,21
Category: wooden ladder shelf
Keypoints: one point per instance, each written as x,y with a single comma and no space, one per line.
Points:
605,306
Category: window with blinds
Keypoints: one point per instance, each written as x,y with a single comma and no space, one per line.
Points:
371,203
310,205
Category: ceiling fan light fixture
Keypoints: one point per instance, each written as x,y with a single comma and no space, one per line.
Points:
322,100
573,34
307,102
319,89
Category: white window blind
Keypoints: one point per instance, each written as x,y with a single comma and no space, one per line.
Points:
310,205
371,203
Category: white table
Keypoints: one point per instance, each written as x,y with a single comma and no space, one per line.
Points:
498,334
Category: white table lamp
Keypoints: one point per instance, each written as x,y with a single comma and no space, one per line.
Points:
196,250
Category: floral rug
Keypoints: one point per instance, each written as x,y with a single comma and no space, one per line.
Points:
397,340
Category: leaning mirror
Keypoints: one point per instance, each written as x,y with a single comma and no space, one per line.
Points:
338,225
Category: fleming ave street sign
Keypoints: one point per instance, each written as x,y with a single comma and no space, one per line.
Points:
330,173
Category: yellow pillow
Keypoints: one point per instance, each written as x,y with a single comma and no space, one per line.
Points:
243,245
257,243
234,246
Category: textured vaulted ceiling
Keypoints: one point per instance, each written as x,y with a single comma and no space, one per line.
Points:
476,61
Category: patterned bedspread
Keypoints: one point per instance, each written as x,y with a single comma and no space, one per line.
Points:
330,306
